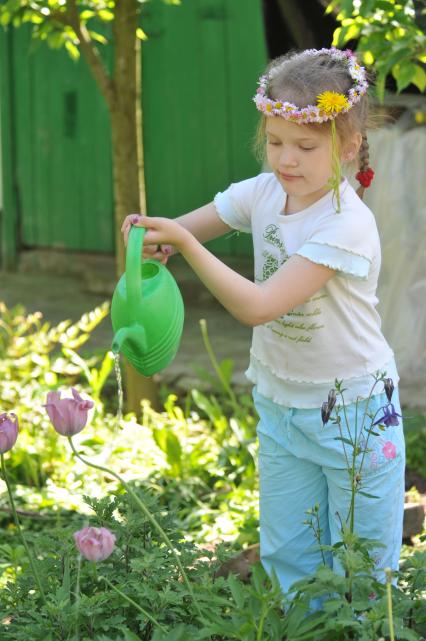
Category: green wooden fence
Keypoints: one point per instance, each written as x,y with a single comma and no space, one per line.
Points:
200,67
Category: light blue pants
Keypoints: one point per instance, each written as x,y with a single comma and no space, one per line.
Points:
301,464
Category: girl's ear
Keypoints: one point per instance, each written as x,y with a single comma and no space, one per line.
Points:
351,147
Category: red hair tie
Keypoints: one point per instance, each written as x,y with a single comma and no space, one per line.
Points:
365,177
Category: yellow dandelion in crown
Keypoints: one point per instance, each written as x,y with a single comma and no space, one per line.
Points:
331,102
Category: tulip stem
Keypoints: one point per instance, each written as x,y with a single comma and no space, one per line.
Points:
147,513
388,573
127,598
21,533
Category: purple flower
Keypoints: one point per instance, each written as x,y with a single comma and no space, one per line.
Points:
9,428
95,543
331,399
325,413
68,415
389,417
389,387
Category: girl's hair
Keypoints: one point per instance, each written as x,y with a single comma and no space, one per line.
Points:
300,79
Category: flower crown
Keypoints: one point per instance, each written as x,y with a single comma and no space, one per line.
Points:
329,103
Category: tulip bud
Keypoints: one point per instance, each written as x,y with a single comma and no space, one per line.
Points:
95,543
325,413
331,400
68,415
389,387
9,428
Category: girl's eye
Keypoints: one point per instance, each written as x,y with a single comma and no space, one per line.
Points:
272,142
307,148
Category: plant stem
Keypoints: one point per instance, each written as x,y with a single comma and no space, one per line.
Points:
388,573
210,352
77,598
261,622
147,513
343,443
127,598
21,534
318,536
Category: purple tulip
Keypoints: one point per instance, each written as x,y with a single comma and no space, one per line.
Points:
9,428
389,417
68,415
95,543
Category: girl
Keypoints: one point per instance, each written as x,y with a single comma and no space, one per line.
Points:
313,309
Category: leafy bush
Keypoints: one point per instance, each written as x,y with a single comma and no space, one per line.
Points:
195,471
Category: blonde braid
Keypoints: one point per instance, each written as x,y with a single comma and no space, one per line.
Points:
365,174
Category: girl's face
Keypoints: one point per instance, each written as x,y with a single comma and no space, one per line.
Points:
300,157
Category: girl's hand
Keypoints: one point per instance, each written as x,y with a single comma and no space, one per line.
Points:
156,252
164,232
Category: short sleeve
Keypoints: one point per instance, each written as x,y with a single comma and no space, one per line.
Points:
235,205
345,242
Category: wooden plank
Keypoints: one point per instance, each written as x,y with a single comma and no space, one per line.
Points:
9,217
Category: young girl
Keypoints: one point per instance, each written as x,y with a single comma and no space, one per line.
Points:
313,309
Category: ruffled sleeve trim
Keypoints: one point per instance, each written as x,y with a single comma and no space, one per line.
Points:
342,260
227,213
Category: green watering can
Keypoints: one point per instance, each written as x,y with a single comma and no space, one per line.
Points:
147,311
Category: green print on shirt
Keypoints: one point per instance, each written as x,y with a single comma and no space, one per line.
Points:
272,263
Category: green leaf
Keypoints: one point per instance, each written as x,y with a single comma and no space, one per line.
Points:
344,440
98,37
404,74
168,442
370,496
140,33
72,50
105,15
419,78
380,86
86,15
236,590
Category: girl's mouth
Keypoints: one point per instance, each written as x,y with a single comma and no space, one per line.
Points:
289,176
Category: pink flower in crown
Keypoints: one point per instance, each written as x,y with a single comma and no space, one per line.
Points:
68,415
95,543
8,431
389,450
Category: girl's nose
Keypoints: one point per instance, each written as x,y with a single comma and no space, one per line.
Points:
288,158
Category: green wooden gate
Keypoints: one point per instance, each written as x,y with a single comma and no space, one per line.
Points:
200,66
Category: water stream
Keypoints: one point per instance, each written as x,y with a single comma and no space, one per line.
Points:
119,386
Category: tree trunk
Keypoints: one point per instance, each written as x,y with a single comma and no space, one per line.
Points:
129,184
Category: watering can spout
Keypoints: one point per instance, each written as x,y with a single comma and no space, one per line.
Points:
135,337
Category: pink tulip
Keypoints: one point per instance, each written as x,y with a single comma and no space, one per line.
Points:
8,431
95,543
68,415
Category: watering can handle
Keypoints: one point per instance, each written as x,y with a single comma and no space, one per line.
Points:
133,271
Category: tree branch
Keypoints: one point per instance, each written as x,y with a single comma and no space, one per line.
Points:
91,53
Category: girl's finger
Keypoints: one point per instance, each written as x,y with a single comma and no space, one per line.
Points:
129,220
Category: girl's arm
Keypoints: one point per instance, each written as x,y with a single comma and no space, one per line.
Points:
293,284
203,223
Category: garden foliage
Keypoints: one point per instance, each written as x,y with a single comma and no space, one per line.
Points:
193,466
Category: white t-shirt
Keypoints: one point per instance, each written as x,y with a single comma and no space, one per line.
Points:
296,358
